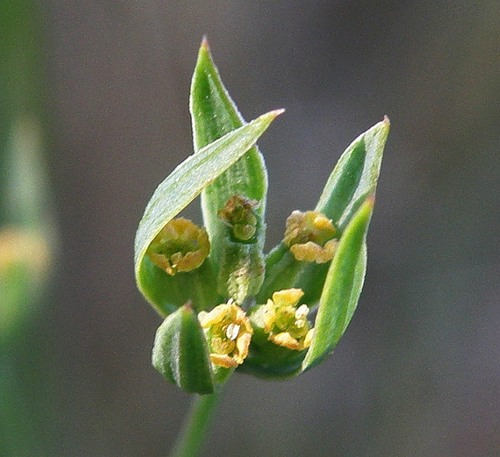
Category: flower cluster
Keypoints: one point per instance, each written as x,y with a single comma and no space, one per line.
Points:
182,246
239,214
227,304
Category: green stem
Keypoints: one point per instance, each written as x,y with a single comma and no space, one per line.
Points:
196,426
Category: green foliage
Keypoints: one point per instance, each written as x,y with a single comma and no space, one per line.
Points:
353,179
229,172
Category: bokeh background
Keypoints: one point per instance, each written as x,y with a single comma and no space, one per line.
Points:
417,373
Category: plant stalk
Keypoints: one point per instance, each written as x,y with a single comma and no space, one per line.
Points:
196,426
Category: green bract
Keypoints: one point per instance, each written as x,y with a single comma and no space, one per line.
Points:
229,306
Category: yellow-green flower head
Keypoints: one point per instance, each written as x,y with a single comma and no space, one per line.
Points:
228,332
284,320
309,236
180,246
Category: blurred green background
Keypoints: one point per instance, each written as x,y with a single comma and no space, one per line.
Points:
417,373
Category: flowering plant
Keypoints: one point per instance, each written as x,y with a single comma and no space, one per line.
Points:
227,306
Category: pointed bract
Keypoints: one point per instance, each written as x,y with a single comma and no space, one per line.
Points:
180,352
342,287
213,114
182,186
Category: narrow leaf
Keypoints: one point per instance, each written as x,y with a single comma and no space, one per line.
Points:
214,114
342,288
180,352
187,181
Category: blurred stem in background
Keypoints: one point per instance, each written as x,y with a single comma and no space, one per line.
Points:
26,231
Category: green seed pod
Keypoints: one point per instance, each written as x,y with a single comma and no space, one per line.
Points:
270,361
180,352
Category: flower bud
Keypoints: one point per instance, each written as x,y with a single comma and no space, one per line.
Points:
181,246
239,214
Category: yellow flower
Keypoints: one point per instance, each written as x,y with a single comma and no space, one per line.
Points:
284,321
228,332
180,246
309,236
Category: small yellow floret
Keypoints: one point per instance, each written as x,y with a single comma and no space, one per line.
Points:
181,246
284,320
309,236
228,331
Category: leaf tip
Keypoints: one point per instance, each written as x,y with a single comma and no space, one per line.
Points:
385,125
204,44
370,201
275,113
